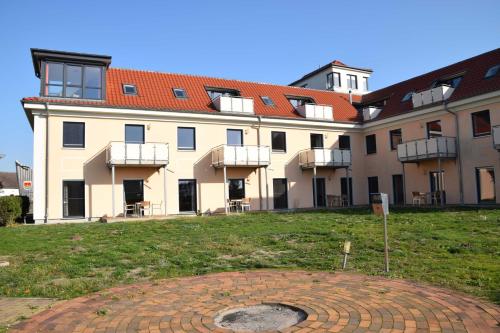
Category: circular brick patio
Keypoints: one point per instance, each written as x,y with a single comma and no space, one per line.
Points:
334,303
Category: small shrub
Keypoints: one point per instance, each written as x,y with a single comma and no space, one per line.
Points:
10,209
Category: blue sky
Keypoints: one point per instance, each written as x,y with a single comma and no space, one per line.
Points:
261,40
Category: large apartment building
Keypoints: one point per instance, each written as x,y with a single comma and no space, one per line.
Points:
105,138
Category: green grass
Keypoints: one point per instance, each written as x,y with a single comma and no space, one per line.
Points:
458,249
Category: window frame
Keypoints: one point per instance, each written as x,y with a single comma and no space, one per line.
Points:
428,131
194,139
349,140
374,150
478,185
473,122
242,180
234,130
276,150
322,140
135,93
183,91
82,146
391,133
263,99
136,126
66,217
44,84
365,83
349,81
330,80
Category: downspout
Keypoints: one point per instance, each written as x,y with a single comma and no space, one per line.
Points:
260,169
46,218
459,155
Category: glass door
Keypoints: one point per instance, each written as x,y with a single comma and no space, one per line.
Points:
280,193
74,198
187,195
343,188
133,191
320,192
398,189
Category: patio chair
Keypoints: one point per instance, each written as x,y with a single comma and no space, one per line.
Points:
343,200
143,207
232,205
156,206
245,204
128,208
418,198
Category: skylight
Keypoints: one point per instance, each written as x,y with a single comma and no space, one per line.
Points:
492,71
267,100
129,89
407,97
180,93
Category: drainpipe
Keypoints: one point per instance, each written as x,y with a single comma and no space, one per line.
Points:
260,169
46,218
459,155
350,96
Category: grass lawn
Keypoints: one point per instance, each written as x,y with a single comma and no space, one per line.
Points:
458,249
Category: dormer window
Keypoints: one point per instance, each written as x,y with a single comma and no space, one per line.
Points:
180,93
492,71
129,89
72,81
216,92
297,101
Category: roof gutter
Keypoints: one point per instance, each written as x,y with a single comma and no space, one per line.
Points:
459,155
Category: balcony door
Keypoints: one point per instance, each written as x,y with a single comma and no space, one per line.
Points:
319,192
280,193
372,187
133,191
343,188
134,133
236,189
398,189
73,199
235,137
187,196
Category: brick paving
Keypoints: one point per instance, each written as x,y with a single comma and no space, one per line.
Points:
334,302
13,309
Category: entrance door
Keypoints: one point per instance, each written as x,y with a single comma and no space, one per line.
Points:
280,193
187,195
398,189
73,198
320,192
343,188
133,191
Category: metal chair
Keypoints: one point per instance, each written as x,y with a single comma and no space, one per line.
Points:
143,207
156,206
245,204
127,208
418,198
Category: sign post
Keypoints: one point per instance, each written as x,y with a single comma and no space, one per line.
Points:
347,249
381,208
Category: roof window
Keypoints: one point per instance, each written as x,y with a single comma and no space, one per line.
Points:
180,93
129,89
407,97
492,71
267,100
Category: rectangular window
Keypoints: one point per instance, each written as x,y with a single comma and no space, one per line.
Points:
186,138
134,133
267,100
187,195
372,187
180,93
235,137
396,138
236,189
278,141
485,180
72,81
332,80
73,199
344,142
316,141
280,193
365,83
371,144
73,134
129,89
434,129
481,125
352,81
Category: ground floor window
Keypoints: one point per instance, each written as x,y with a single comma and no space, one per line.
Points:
280,193
372,187
73,198
485,179
319,192
187,195
236,189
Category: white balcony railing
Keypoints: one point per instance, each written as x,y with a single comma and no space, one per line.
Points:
429,96
234,104
241,156
371,112
336,158
496,136
315,111
426,149
137,154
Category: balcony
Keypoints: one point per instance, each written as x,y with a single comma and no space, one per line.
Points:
315,111
235,104
496,137
334,158
427,149
371,112
137,154
241,156
430,96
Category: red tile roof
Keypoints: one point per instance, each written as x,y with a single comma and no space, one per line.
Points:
473,83
154,91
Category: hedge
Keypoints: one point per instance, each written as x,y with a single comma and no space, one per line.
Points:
12,208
